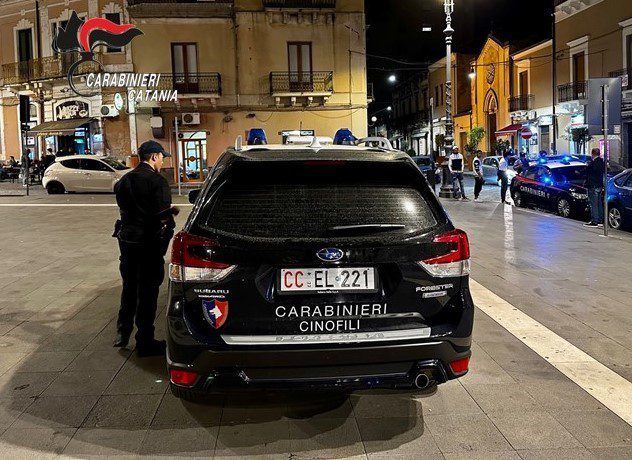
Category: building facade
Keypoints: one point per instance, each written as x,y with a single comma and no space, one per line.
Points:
31,66
284,66
278,65
419,107
593,40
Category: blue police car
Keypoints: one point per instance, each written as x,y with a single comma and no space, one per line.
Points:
620,200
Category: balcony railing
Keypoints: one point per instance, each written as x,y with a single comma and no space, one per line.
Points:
192,83
45,68
521,103
299,3
572,91
625,78
301,82
180,8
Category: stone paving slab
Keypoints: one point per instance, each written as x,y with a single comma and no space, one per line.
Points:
64,391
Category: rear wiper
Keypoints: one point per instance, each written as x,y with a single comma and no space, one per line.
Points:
365,228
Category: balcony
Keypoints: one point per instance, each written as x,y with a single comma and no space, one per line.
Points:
572,91
300,4
180,8
192,83
521,103
625,78
45,68
301,83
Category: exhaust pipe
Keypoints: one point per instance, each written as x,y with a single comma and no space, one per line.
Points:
422,381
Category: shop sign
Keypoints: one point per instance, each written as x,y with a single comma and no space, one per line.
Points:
72,109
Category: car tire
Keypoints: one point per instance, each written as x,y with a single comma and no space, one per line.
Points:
518,200
615,217
563,207
55,188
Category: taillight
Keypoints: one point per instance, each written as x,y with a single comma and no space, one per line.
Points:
460,366
183,378
456,262
192,259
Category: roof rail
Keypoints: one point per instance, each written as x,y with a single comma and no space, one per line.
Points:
376,141
239,142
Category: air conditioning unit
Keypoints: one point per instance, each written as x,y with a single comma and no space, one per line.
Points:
191,118
109,111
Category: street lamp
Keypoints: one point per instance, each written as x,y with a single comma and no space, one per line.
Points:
446,183
392,78
472,73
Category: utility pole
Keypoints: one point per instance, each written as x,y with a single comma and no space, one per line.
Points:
554,84
446,185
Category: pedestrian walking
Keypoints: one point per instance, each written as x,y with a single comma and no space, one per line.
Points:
455,165
502,176
479,179
25,166
143,232
594,183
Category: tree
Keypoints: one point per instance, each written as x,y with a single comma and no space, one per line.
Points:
499,146
474,138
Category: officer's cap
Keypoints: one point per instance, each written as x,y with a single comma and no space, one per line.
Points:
149,147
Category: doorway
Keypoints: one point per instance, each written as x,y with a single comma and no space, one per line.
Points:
192,156
25,52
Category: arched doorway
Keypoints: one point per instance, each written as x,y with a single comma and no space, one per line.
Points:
491,111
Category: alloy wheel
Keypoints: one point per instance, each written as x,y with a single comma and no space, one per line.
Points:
614,218
563,207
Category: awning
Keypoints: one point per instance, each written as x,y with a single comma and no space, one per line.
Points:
509,130
60,127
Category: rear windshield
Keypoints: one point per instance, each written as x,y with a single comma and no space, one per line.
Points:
570,175
313,201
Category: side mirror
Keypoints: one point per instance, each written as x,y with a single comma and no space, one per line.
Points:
193,194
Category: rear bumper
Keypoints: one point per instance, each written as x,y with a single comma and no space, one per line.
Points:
382,366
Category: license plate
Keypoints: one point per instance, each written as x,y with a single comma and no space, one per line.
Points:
327,280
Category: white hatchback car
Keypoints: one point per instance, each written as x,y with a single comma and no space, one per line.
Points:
83,173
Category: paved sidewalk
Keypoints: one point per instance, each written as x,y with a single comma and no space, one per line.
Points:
65,391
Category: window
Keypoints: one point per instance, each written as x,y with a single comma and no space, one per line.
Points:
299,55
94,165
530,173
114,163
523,83
74,163
579,69
628,183
628,52
116,19
297,201
184,66
436,98
441,93
25,45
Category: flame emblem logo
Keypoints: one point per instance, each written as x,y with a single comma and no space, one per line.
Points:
85,36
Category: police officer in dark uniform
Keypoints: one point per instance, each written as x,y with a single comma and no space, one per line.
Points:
144,231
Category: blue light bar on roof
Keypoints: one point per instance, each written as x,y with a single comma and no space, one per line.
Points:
344,136
257,136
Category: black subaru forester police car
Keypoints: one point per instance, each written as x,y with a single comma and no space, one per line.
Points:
320,267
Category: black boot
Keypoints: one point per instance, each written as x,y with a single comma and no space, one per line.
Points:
152,348
122,339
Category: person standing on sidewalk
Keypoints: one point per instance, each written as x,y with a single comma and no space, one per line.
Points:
455,165
502,175
479,180
594,182
143,232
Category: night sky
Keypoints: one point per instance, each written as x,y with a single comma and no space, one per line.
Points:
394,30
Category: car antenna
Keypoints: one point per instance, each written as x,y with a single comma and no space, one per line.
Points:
315,144
239,142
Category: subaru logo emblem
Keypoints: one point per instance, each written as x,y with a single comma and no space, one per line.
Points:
330,254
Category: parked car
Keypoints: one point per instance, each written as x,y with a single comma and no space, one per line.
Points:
428,167
555,186
83,173
323,267
491,165
620,200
